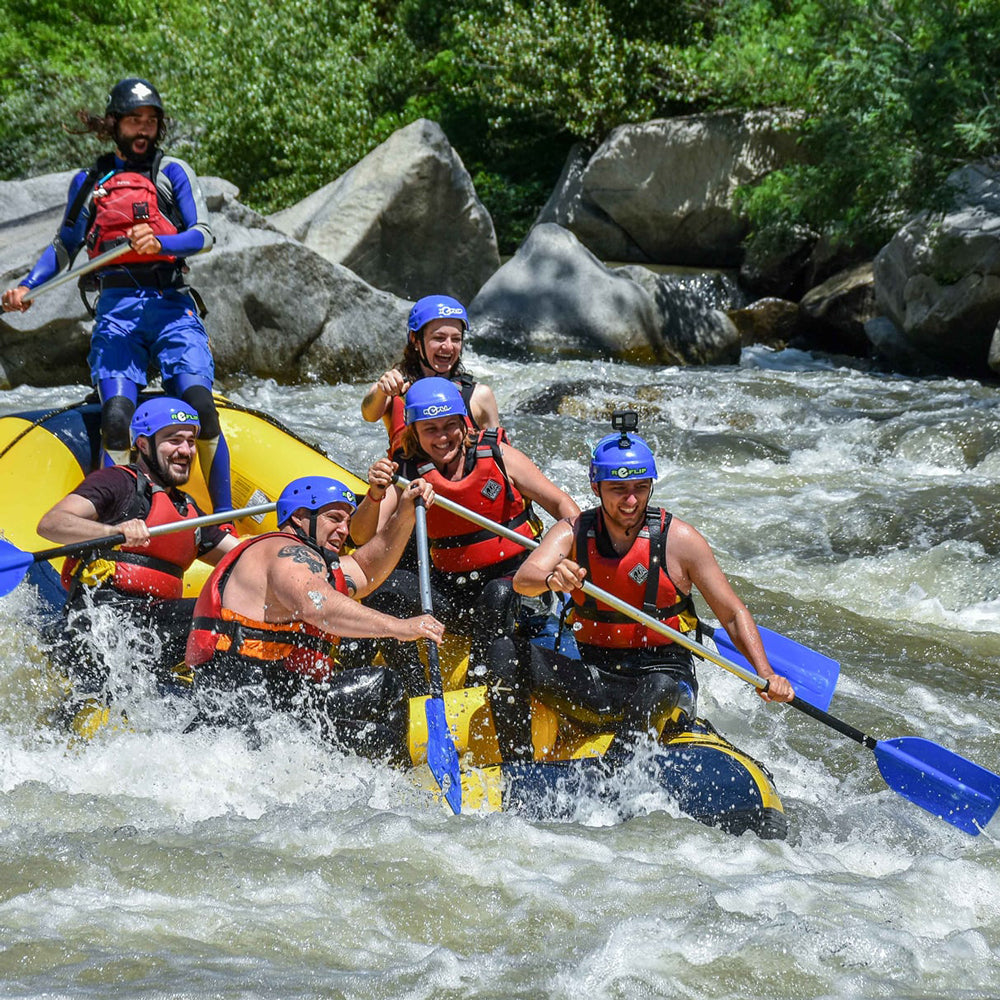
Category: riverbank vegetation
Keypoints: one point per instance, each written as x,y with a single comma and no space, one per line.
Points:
281,98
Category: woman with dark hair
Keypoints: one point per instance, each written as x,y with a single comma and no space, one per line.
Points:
436,329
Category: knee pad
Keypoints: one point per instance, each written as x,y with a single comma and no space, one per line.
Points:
116,415
201,399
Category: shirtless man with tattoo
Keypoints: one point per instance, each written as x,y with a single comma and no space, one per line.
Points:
272,614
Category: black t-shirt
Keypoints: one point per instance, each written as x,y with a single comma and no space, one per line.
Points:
113,493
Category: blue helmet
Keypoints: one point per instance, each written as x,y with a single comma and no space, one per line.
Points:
312,493
618,457
433,397
160,412
436,307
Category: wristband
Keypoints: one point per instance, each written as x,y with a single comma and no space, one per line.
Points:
549,577
374,499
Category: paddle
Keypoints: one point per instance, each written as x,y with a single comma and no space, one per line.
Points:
442,757
14,562
944,783
941,781
92,265
810,673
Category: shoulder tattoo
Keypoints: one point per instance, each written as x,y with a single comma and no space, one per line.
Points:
301,554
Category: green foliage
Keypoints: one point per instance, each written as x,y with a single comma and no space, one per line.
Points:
282,98
897,96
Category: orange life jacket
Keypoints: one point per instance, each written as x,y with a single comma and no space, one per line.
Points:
300,647
153,570
457,546
639,577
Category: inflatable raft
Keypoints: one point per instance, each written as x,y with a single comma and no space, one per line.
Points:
45,454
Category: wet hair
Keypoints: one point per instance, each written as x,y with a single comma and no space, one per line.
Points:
104,126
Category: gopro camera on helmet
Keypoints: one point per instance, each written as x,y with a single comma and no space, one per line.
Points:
625,421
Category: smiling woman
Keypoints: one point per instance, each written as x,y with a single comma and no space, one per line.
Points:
436,330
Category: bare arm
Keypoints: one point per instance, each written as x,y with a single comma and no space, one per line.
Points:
485,411
550,566
370,515
698,563
377,558
74,519
297,581
376,401
534,485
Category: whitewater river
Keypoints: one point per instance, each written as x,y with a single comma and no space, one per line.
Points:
856,513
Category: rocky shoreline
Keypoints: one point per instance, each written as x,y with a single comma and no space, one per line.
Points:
636,256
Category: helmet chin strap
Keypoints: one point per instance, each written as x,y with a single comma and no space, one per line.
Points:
422,352
329,557
152,460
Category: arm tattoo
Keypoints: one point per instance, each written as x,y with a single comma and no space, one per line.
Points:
352,587
300,554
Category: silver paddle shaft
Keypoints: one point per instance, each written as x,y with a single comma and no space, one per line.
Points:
615,603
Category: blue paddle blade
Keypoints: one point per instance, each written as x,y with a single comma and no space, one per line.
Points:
942,782
442,757
14,563
813,675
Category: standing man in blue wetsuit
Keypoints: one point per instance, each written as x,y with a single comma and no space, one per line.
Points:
144,311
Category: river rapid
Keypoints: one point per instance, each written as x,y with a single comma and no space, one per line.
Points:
854,512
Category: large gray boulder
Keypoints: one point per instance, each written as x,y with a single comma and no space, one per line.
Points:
555,298
937,282
568,206
406,218
35,196
275,308
278,309
664,191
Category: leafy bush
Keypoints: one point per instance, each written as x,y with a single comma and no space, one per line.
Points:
282,98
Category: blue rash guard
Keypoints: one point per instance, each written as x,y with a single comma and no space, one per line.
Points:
180,199
144,312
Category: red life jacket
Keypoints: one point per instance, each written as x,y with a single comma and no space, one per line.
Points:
156,569
120,202
639,578
397,407
456,546
298,646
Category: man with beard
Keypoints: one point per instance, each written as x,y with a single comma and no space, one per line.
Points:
628,678
142,580
144,310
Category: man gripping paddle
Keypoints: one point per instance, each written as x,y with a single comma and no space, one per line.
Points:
627,675
142,581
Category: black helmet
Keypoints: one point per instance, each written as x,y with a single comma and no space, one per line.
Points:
132,93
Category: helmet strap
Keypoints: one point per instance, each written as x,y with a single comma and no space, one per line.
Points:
152,460
330,558
421,349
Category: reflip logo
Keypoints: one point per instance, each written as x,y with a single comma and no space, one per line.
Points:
183,416
444,310
623,472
